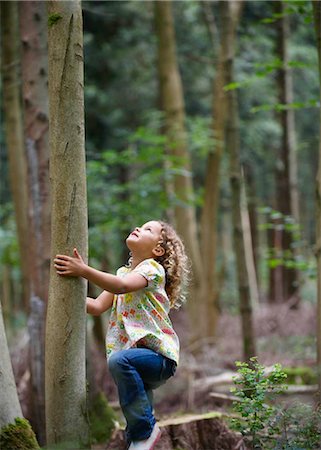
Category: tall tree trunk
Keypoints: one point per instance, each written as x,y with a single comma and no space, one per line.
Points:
229,15
233,147
204,286
66,409
287,191
12,106
172,103
33,32
317,22
10,406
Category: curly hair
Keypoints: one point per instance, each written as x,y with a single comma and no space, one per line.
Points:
176,265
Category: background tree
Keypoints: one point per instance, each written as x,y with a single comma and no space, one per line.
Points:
317,23
34,67
285,277
233,148
172,103
202,243
12,106
66,318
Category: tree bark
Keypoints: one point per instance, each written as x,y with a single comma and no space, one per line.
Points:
172,103
202,250
12,106
317,23
250,192
286,172
10,406
66,408
33,32
233,147
230,13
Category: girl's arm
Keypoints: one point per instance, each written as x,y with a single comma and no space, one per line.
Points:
75,267
97,306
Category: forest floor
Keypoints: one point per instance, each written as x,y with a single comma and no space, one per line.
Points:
283,335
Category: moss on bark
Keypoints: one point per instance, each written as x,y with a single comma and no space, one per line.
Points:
102,419
18,436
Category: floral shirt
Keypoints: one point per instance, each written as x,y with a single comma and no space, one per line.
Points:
140,318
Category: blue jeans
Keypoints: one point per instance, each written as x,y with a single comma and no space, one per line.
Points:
136,372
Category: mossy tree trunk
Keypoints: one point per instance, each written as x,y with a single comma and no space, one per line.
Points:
66,404
317,22
34,65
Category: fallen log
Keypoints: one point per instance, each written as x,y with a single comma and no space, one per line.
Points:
189,432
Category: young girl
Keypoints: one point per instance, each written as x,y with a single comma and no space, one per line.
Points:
142,347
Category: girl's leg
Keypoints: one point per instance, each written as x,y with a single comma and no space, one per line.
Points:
133,370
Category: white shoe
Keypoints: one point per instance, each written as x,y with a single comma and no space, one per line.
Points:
149,443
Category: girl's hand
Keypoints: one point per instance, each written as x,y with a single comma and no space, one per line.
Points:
70,266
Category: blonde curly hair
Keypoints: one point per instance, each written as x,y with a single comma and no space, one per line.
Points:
176,265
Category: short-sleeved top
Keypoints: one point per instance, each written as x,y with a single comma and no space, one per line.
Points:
141,318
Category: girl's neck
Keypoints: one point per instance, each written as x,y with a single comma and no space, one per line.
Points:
137,260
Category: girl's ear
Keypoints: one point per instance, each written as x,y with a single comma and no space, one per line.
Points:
158,250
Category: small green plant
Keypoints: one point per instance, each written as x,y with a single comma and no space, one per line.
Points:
18,436
253,387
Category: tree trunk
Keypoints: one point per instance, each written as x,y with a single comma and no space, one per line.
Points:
14,131
250,192
229,20
248,245
66,408
204,286
33,32
317,23
172,103
10,406
233,147
286,173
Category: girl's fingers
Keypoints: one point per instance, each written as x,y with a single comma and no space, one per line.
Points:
63,257
60,264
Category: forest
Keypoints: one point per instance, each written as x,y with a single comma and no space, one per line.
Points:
201,113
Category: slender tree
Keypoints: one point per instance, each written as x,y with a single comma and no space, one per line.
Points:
317,22
12,107
229,16
172,103
233,147
287,199
66,410
34,68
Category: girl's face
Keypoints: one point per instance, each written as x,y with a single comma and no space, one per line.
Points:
146,240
